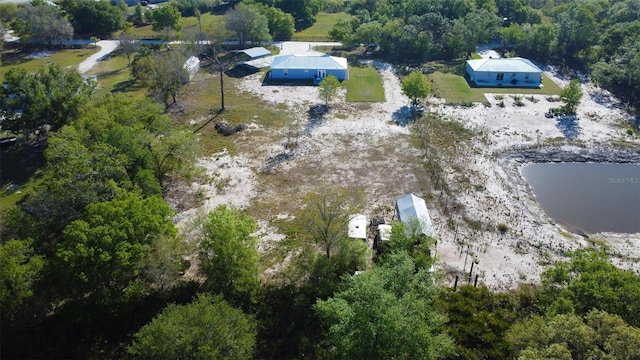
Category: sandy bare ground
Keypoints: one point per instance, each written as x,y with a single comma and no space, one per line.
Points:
361,146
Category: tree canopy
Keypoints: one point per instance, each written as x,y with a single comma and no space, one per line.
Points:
104,251
207,328
42,24
382,306
248,24
166,18
416,87
90,17
44,101
228,254
328,88
571,95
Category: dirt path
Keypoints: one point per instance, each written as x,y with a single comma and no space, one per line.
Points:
106,48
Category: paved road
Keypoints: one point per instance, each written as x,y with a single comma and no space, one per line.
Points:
106,48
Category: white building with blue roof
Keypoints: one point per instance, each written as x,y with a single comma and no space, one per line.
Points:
504,72
308,67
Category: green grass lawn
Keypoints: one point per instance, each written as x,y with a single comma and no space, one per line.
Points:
69,57
114,75
364,85
318,31
455,89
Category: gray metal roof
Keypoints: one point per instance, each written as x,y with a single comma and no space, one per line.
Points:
411,208
513,65
256,52
293,61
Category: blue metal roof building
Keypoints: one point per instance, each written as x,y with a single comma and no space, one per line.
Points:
308,67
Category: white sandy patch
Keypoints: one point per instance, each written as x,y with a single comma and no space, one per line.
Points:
359,145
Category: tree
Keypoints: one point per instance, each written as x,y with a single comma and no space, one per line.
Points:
138,15
479,26
304,11
416,87
128,45
385,313
479,319
166,18
248,24
90,17
103,253
571,95
228,254
368,33
328,88
280,23
598,335
163,73
207,328
341,31
408,238
590,281
19,268
43,101
42,24
325,217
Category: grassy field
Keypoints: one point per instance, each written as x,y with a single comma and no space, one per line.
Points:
69,57
114,75
455,89
364,85
319,30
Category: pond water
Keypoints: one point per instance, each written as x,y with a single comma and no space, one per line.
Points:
588,197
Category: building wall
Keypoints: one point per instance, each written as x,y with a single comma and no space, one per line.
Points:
506,80
299,74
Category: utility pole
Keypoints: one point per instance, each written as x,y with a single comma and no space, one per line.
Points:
220,68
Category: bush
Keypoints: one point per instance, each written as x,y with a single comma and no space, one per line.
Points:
502,228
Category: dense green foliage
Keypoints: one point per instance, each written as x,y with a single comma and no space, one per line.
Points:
386,313
597,335
571,96
591,281
328,88
42,23
416,87
207,328
163,73
228,255
166,18
90,17
44,101
248,24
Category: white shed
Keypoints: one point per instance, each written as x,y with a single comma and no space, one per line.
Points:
358,226
411,208
192,65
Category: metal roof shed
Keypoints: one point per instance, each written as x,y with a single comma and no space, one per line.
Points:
410,208
358,226
256,52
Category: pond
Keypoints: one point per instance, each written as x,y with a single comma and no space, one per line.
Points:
587,197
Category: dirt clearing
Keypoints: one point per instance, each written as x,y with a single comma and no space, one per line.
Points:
360,145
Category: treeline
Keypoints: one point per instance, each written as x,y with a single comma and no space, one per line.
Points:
594,36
